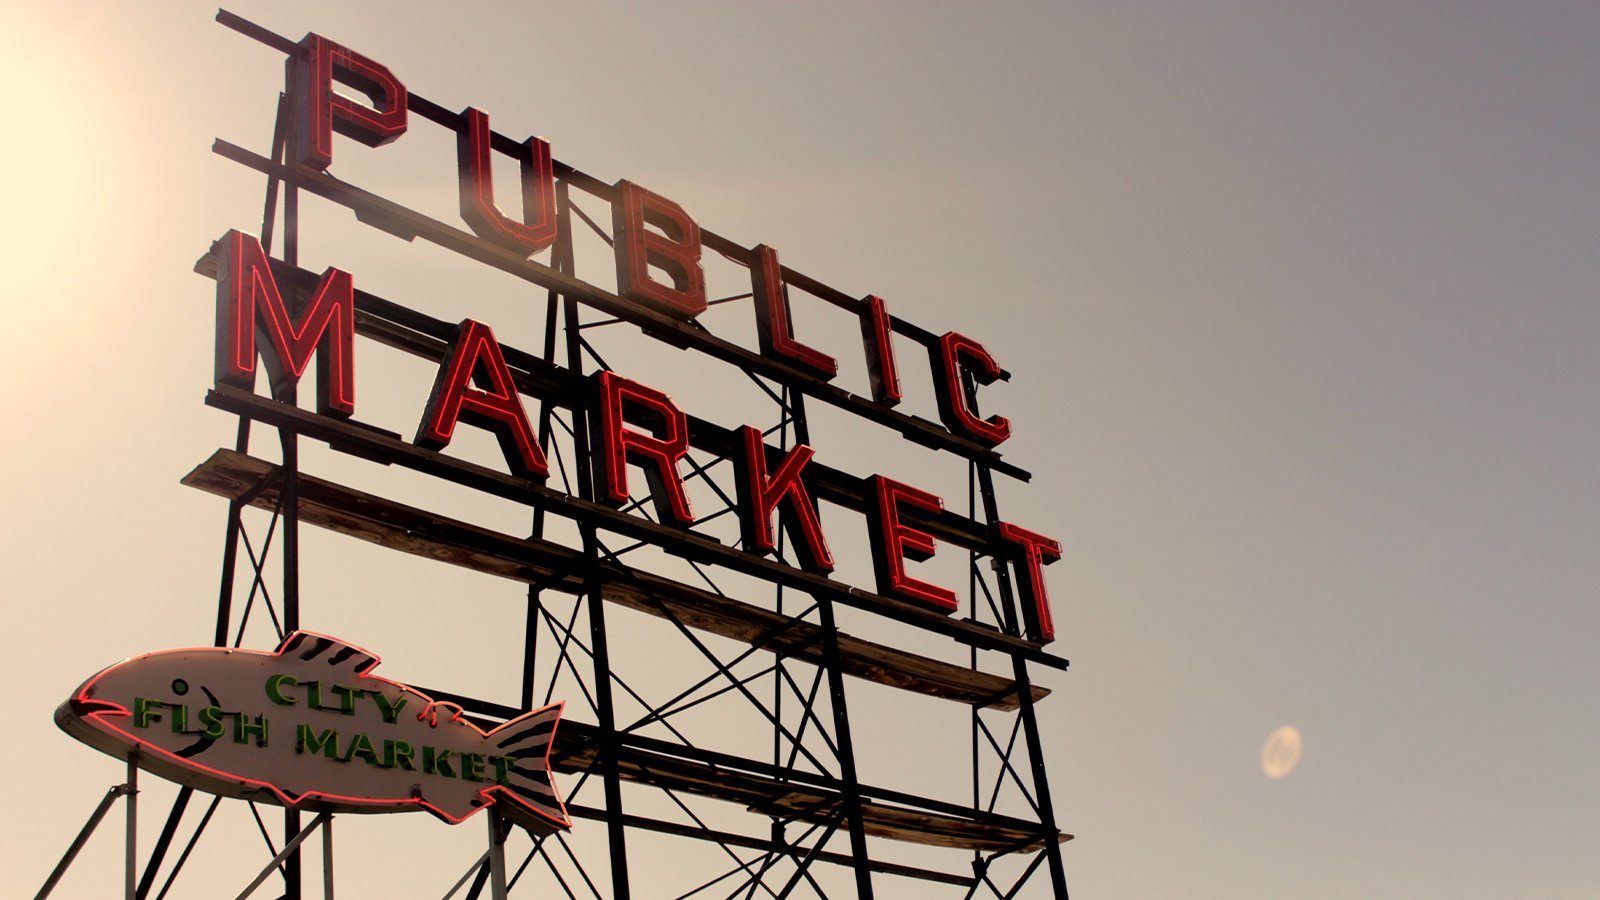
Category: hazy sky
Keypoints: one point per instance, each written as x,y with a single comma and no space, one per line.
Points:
1298,298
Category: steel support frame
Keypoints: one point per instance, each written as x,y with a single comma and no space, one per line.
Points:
594,550
981,476
793,422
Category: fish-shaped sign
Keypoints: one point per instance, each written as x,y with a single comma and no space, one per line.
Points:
309,725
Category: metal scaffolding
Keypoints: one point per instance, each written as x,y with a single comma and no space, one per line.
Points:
805,806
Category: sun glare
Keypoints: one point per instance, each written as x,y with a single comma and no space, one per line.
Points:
48,179
69,173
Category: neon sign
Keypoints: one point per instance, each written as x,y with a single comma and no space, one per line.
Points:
657,247
310,725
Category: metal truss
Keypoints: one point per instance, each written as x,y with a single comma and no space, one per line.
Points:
813,809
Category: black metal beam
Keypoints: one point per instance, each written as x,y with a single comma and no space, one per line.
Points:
376,445
397,219
754,843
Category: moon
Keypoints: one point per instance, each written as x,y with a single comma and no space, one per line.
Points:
1281,753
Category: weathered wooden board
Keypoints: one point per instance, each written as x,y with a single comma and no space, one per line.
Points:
374,444
575,752
557,567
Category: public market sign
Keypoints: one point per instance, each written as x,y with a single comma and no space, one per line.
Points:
660,285
310,726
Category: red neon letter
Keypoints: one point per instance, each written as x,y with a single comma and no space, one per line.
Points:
320,111
774,325
638,248
1033,553
537,230
494,404
893,542
248,299
948,366
759,496
621,400
881,366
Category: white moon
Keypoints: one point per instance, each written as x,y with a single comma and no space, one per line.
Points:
1281,753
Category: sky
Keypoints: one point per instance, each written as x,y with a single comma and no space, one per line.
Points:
1297,300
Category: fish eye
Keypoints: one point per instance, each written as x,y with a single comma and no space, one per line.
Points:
180,687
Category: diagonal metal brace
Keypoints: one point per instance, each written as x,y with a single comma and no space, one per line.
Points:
322,819
111,796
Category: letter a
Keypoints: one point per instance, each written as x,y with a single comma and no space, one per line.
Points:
494,404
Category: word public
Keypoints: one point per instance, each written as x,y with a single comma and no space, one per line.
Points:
658,249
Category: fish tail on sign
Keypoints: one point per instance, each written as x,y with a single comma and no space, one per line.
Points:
530,797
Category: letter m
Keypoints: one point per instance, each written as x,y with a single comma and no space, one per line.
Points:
251,317
308,741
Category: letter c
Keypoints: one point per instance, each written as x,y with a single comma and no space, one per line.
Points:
275,685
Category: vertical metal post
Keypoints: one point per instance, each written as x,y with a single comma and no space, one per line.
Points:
778,669
847,754
1030,721
241,443
291,523
610,746
1019,666
132,864
972,660
230,549
327,858
561,259
841,713
1041,784
163,842
290,499
497,854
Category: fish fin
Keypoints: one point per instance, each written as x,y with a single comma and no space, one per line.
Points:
532,800
430,713
308,645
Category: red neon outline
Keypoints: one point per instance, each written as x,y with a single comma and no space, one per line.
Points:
775,323
538,227
893,542
617,446
246,278
104,710
882,368
321,111
636,247
947,361
1038,551
475,356
759,496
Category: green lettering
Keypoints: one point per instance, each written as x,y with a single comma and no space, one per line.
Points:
243,728
361,746
397,754
437,762
502,768
390,712
472,766
347,698
313,694
211,718
180,717
275,685
144,712
308,741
